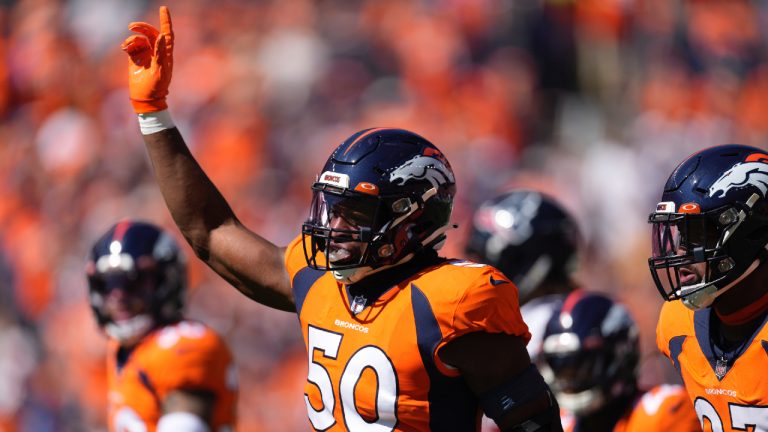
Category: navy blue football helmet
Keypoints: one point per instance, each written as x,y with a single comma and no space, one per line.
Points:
393,191
590,352
147,264
529,237
710,229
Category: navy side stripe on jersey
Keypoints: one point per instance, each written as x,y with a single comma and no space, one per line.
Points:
451,403
675,348
302,282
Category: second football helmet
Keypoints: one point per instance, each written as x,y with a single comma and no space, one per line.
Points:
390,191
146,264
590,352
710,229
528,236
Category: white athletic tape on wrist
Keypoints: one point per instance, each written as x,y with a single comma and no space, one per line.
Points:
150,123
181,421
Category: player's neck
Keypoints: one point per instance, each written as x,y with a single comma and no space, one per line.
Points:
372,287
397,274
732,333
745,304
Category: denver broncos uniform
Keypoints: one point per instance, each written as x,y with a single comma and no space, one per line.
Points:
727,396
664,408
378,369
184,356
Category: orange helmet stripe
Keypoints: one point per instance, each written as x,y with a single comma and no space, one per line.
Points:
360,138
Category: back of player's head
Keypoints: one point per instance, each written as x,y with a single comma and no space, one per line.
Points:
527,235
136,280
590,352
394,191
710,229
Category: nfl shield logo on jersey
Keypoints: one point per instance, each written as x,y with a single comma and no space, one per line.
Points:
358,304
721,368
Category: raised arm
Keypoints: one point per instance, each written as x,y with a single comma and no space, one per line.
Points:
246,260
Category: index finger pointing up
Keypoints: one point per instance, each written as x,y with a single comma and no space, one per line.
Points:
165,21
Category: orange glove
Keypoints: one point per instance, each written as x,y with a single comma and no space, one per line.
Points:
151,63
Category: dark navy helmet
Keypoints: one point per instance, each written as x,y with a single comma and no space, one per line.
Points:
590,352
710,229
529,237
144,262
394,192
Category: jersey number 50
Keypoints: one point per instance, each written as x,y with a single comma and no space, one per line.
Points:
370,356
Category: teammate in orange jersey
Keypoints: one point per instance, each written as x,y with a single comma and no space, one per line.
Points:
397,337
165,374
591,351
710,242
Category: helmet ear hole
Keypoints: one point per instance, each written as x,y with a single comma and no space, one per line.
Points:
386,251
401,206
725,265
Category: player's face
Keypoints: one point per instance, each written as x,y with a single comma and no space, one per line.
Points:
690,239
346,218
125,296
345,248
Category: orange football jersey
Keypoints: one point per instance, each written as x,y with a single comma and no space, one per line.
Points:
732,397
186,355
663,408
377,370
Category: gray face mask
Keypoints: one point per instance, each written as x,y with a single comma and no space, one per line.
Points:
130,331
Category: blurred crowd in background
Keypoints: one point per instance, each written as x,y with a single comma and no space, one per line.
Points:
592,101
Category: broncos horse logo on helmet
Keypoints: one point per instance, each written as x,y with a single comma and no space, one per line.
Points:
710,229
422,167
742,174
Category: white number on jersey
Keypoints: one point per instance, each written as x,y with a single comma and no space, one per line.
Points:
741,416
370,356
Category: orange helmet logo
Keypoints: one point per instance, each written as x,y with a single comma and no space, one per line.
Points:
690,208
367,188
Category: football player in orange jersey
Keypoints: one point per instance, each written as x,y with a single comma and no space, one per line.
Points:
165,374
397,337
710,243
591,353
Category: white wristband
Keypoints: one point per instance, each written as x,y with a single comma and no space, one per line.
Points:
180,421
150,123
